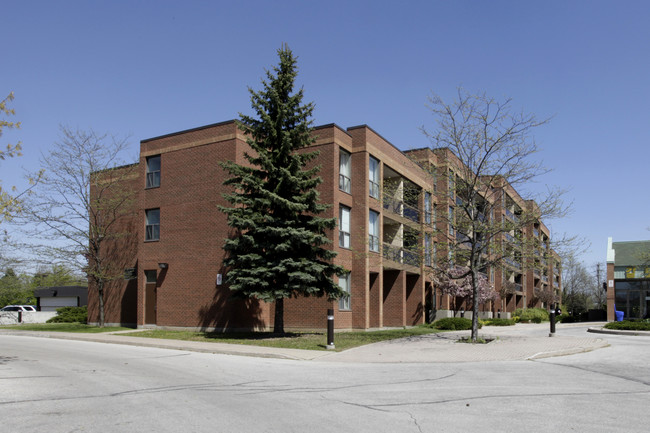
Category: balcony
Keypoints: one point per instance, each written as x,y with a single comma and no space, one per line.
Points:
511,215
401,255
536,233
411,213
512,263
545,278
400,208
519,287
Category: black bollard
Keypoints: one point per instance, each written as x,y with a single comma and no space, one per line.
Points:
552,319
330,328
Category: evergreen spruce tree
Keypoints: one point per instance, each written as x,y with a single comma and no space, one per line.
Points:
278,251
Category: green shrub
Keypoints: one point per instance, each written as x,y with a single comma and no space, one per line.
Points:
453,324
631,325
535,315
70,315
565,318
499,322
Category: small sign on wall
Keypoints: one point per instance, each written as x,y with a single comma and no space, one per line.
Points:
611,283
218,279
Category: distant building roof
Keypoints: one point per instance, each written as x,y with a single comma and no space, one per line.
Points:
633,253
46,292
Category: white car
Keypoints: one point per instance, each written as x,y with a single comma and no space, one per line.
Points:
23,308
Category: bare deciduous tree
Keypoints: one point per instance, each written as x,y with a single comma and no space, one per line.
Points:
80,206
495,151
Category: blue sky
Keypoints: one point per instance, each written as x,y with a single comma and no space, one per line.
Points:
148,68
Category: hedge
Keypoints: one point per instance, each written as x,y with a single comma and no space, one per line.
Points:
70,315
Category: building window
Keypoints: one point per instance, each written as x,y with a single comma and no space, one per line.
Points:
153,171
452,184
373,231
344,227
152,232
150,277
373,175
427,249
427,207
451,220
344,284
344,171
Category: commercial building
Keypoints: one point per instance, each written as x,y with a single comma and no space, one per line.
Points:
628,279
390,235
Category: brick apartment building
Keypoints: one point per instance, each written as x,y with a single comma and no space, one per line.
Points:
389,237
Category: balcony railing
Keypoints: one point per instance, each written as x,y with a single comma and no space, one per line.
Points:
512,263
511,215
545,278
393,205
519,287
401,208
411,213
401,255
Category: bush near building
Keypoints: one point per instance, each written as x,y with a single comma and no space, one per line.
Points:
70,315
534,315
630,325
453,324
499,322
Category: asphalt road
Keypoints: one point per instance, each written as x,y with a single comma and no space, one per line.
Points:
49,385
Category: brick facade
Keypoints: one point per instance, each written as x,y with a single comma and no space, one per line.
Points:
184,266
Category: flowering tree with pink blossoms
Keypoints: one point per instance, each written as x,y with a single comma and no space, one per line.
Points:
456,282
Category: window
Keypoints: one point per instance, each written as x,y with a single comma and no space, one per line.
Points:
373,231
427,249
427,207
153,171
452,184
152,232
150,277
344,171
344,284
451,220
344,227
435,252
373,175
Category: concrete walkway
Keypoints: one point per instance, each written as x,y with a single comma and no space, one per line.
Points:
519,342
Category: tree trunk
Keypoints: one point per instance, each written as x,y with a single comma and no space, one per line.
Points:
278,323
100,296
474,305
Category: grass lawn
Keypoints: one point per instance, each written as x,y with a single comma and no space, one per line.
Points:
305,341
63,327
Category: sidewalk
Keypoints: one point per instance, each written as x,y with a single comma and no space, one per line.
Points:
520,342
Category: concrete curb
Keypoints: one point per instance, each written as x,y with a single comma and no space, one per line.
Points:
567,352
190,346
619,332
430,348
